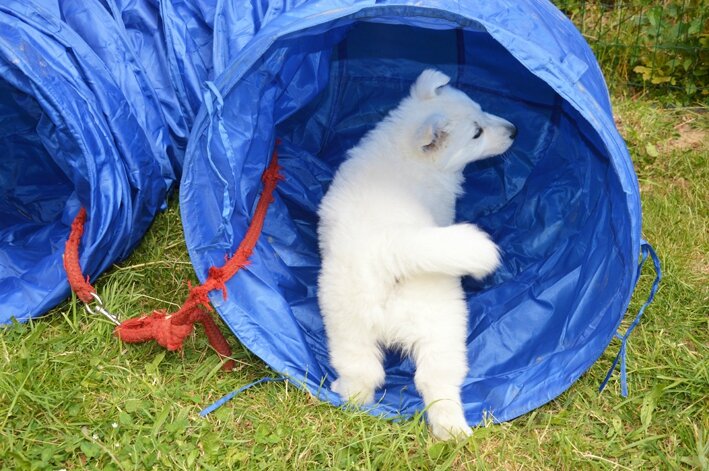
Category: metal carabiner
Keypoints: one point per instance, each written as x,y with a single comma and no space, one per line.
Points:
101,310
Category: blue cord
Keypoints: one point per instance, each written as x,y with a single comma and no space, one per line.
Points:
646,250
216,405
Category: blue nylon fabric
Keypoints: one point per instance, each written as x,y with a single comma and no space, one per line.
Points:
188,26
182,44
237,21
147,35
563,203
109,42
80,127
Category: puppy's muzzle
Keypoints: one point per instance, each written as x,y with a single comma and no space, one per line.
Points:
512,129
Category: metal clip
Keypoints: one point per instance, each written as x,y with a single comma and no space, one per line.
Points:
98,308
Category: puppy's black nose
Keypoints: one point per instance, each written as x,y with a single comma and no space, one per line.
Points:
513,131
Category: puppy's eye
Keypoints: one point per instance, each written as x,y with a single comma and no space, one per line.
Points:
478,133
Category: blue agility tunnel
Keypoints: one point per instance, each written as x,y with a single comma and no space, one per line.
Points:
563,203
80,125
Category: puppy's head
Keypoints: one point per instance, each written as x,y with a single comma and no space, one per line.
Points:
450,128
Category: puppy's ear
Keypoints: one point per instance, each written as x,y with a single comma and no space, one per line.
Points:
431,135
428,84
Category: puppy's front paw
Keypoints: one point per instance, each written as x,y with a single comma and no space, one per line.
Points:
479,255
354,392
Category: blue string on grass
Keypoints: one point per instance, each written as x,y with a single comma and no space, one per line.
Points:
216,405
646,250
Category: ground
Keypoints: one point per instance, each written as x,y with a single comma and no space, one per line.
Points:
72,396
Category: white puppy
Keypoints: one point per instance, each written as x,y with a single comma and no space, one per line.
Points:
391,256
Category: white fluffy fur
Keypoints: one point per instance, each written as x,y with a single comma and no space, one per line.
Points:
391,256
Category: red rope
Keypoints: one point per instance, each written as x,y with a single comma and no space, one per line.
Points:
170,330
79,285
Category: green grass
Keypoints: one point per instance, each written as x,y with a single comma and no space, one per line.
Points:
72,396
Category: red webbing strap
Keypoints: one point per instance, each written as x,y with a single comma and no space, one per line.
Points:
171,330
78,283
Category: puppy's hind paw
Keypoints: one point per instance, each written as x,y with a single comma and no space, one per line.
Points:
352,392
450,429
